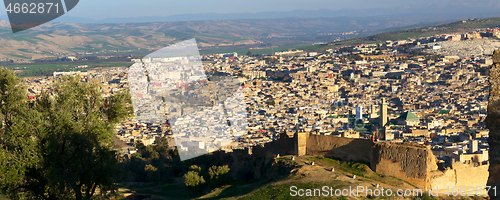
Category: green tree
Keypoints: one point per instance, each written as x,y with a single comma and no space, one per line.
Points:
194,181
140,146
249,53
151,153
20,128
162,148
77,143
219,175
152,174
60,146
195,168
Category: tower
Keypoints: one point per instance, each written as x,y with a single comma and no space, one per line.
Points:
359,112
473,146
383,113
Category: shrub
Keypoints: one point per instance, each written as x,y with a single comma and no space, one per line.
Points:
194,181
219,175
195,168
152,173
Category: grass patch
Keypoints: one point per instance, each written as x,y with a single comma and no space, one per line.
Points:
177,190
356,168
283,191
19,56
24,50
28,39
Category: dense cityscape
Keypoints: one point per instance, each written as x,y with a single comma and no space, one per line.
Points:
435,100
250,100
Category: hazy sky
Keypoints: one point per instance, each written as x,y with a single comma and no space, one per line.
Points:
99,9
124,8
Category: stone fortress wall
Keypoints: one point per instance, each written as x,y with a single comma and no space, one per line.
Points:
410,162
339,147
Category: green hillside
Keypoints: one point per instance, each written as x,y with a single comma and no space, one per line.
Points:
305,176
455,27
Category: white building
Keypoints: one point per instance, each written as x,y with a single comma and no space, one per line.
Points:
359,112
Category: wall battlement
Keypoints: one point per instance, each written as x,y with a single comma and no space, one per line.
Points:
414,163
411,162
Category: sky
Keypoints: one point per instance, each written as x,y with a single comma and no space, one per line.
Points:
101,9
133,8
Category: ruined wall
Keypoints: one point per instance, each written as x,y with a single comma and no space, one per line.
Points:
461,175
339,147
493,122
256,162
409,162
259,161
300,140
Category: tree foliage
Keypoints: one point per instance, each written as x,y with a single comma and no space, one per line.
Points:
195,168
194,181
219,175
152,173
20,128
59,146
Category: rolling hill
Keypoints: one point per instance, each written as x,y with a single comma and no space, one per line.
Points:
56,40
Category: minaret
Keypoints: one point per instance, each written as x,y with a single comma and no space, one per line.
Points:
359,112
383,113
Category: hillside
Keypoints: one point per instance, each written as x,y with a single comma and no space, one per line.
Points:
303,176
59,40
56,40
455,27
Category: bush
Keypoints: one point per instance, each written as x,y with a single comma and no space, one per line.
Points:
219,176
195,168
152,173
194,181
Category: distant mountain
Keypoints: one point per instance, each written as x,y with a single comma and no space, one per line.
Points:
4,24
231,16
422,31
58,39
